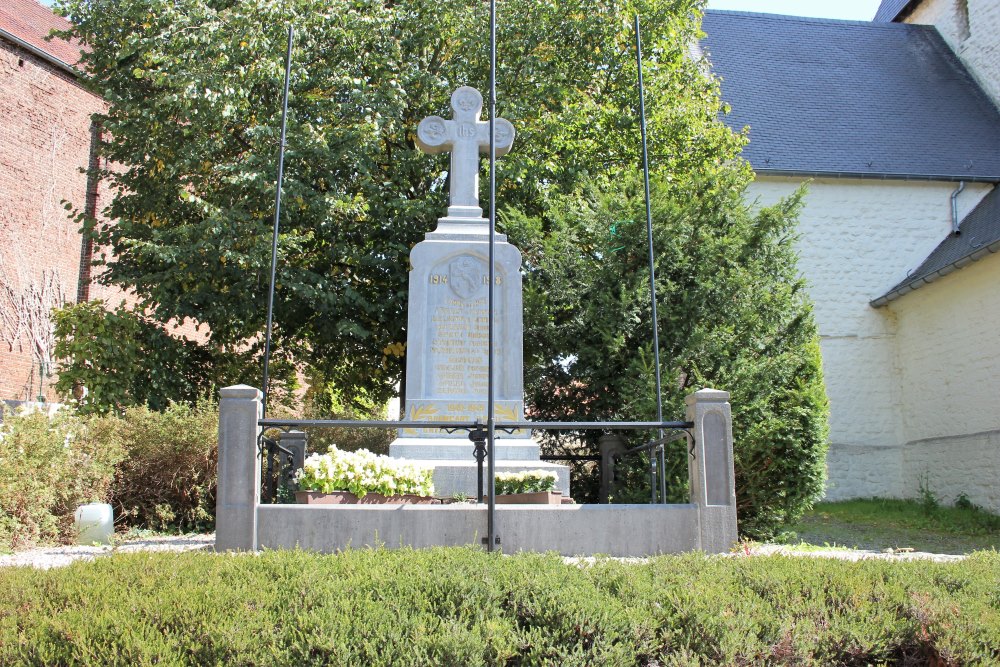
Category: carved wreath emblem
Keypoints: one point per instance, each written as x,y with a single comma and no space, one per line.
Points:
465,277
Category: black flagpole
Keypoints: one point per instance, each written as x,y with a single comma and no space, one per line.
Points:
491,508
277,212
652,268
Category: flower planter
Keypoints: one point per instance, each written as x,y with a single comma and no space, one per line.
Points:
348,498
537,498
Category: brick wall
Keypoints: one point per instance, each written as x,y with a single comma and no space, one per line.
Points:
971,28
45,140
858,238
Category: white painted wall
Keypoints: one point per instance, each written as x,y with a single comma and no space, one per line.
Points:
948,344
858,238
976,42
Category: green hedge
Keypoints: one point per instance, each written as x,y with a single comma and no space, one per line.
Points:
157,469
464,607
48,466
167,477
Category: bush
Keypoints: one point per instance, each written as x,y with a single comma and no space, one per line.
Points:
49,465
733,315
460,606
167,477
323,400
157,469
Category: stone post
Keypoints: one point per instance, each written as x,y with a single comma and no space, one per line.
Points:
710,468
238,493
295,442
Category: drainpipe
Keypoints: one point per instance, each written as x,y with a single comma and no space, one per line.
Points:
954,208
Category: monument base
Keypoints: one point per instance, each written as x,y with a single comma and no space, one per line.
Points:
455,465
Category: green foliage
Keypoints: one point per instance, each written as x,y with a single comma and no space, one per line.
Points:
528,481
157,469
194,89
167,478
460,606
733,315
325,401
125,359
49,465
929,502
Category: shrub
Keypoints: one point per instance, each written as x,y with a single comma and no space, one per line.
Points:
323,400
167,477
50,464
460,606
733,315
362,472
528,481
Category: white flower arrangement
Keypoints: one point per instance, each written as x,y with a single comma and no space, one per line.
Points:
528,481
362,472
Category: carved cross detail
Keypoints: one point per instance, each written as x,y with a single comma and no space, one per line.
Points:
466,137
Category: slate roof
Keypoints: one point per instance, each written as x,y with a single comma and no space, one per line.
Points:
851,98
979,236
27,22
889,10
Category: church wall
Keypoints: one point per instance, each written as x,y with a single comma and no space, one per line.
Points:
947,347
45,139
970,27
858,238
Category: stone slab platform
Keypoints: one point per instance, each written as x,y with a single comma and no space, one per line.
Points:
571,530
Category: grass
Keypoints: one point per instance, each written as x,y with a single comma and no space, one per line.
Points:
461,606
880,523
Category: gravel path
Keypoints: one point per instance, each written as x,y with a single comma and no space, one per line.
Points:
46,557
851,554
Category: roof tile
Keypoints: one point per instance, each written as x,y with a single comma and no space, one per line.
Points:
32,22
851,98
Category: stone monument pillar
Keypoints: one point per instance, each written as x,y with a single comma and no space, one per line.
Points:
446,338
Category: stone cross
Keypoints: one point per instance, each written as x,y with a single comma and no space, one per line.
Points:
466,137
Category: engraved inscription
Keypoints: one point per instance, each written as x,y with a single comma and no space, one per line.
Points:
459,348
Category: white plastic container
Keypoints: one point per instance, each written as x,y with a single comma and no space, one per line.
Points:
95,523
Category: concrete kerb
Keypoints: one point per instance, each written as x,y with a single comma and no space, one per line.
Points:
707,523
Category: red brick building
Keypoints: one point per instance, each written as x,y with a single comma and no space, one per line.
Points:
47,139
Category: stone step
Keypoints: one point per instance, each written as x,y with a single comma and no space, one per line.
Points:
460,449
454,477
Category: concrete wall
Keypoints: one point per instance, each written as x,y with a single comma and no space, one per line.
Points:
858,238
948,345
571,530
970,27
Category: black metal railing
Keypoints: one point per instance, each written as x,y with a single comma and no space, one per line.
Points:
612,447
278,468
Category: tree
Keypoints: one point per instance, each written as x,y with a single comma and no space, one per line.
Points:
733,314
193,88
